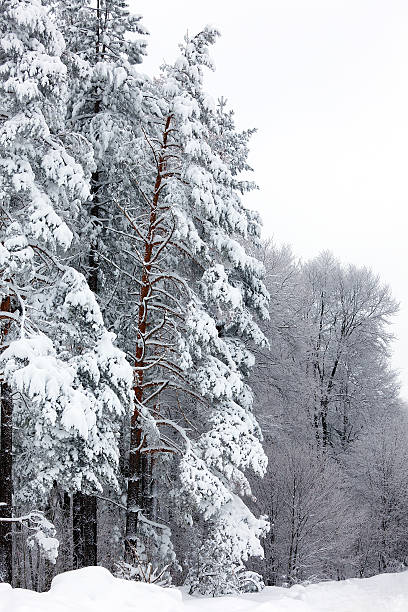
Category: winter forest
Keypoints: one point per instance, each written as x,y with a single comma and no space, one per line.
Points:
182,401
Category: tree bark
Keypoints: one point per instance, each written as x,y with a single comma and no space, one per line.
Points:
6,485
84,517
139,465
84,530
6,466
84,514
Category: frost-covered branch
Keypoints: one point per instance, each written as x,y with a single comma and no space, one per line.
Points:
41,532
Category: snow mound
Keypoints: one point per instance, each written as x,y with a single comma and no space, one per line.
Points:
94,589
383,593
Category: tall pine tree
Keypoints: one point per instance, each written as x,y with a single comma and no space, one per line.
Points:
196,292
102,51
69,383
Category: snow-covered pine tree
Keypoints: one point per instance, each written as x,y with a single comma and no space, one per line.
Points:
197,292
81,392
32,79
65,382
104,100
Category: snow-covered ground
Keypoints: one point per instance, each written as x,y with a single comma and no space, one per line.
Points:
94,589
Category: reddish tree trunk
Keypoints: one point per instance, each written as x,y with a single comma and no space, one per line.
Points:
138,464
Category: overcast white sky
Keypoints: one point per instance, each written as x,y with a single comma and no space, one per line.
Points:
326,84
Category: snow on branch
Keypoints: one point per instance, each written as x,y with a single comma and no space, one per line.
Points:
41,532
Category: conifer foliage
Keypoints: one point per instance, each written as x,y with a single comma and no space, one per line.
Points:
64,384
196,292
121,210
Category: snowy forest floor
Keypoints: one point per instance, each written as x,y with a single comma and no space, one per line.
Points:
94,589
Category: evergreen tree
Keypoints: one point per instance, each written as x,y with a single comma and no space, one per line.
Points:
68,381
35,172
104,96
196,290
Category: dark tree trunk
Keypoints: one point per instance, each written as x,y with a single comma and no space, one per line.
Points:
6,465
134,486
140,493
93,259
84,531
325,428
85,520
6,484
66,507
65,555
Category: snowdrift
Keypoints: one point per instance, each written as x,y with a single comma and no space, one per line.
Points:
94,589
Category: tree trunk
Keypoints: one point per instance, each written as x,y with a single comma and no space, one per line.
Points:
325,428
93,259
292,534
84,530
140,474
6,465
6,484
84,516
